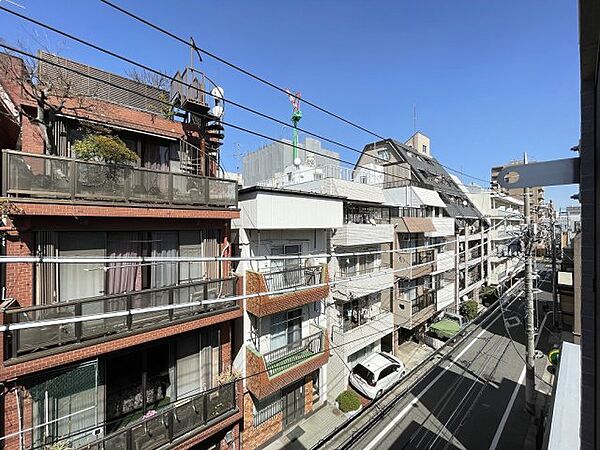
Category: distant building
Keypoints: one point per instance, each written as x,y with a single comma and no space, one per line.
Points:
272,160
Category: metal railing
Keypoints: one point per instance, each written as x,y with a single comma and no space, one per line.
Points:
293,277
32,340
282,358
421,302
54,177
362,270
190,415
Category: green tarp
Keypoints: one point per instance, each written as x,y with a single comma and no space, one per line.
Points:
445,328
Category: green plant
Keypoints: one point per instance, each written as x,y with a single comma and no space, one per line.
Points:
228,375
488,294
469,309
348,401
105,148
60,445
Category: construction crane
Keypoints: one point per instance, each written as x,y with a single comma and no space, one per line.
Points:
296,116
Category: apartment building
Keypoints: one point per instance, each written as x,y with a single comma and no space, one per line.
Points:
505,214
101,355
286,338
412,164
360,316
425,259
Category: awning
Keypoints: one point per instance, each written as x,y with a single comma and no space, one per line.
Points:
415,225
445,328
428,197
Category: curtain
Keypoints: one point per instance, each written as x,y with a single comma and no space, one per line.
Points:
211,247
81,280
164,244
45,273
188,365
123,277
190,245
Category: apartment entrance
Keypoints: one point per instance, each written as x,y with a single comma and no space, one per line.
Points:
293,403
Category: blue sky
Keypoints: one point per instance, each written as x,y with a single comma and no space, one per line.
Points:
490,79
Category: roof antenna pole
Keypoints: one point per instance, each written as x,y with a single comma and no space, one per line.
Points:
296,116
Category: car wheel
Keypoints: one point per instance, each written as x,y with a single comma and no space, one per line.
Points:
402,374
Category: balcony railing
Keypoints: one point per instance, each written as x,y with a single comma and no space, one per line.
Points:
285,357
52,177
191,415
293,277
121,312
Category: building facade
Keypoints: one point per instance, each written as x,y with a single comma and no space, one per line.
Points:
110,355
285,330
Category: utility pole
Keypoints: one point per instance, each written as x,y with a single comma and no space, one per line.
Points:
529,327
554,271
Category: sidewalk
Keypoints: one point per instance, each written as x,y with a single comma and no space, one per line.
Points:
309,431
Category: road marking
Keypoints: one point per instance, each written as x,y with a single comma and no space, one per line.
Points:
413,402
507,411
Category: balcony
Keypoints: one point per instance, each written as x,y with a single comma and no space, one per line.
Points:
367,280
296,360
413,313
289,278
414,263
175,423
51,179
363,234
111,316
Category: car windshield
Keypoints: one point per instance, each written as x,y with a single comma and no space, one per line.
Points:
364,373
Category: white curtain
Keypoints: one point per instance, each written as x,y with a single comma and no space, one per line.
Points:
197,362
124,276
81,280
164,244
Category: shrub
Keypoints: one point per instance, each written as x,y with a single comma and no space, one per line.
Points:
488,294
348,401
108,149
469,309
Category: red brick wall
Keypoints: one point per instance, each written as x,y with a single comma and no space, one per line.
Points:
19,277
31,136
254,437
261,385
266,305
308,394
77,210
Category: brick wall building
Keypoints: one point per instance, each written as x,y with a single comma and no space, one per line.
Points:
110,355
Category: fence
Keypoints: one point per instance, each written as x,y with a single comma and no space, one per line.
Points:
166,425
293,277
54,177
31,340
283,358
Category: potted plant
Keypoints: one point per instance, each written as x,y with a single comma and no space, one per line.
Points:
349,402
106,149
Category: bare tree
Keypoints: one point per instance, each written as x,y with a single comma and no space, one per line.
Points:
43,94
157,81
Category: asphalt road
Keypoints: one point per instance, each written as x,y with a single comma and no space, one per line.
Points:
473,400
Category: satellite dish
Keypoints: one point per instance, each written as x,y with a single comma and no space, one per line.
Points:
217,111
217,93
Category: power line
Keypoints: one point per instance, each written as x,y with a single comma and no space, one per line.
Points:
162,74
246,130
236,67
175,259
258,78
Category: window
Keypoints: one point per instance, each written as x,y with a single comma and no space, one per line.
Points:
361,354
286,328
267,408
65,405
425,149
198,360
386,372
384,155
81,280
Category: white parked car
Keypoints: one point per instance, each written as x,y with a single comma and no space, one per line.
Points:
376,374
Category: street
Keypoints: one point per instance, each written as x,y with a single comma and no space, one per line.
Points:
473,400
